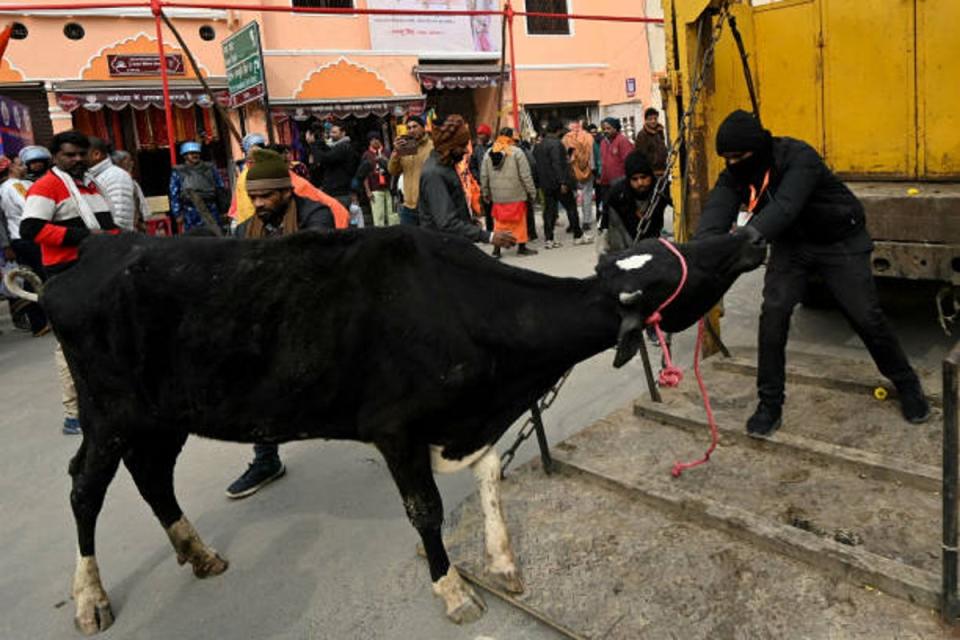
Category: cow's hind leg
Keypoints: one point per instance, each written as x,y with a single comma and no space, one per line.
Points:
410,467
92,469
150,462
501,566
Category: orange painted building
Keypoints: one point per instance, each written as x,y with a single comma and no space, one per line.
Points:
96,69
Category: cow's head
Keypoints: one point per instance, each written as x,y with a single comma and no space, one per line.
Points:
644,276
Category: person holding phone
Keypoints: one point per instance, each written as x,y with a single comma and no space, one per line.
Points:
412,147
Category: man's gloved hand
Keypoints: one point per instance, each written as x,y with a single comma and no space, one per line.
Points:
752,234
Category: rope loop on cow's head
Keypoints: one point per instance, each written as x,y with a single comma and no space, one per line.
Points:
671,375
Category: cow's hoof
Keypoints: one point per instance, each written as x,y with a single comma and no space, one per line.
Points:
93,618
212,565
509,581
470,610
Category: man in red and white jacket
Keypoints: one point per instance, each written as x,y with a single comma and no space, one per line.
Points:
65,205
62,209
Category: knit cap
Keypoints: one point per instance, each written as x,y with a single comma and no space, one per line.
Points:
636,163
741,131
268,171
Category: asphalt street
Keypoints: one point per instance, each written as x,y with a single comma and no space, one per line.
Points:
326,552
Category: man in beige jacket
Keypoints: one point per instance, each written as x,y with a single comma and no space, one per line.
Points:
408,157
582,162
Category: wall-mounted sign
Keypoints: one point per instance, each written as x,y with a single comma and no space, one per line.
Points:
144,65
631,87
243,59
435,32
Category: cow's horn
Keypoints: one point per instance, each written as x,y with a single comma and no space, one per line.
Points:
629,339
10,281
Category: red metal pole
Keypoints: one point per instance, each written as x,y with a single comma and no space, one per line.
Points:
508,15
167,105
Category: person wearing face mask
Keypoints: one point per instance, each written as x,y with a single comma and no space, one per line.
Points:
815,225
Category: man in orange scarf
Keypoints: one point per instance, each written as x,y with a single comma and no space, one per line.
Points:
507,182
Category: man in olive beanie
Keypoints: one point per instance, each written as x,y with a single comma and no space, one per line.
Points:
815,226
279,211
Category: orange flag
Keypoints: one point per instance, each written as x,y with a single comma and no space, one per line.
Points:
5,38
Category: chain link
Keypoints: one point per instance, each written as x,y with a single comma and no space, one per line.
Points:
529,427
674,151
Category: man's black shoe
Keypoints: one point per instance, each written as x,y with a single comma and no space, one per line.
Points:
257,476
765,420
913,404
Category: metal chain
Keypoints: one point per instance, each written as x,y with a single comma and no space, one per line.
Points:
528,427
695,90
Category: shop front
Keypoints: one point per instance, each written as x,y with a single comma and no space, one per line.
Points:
469,90
132,118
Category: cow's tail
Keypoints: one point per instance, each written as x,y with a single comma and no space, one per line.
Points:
10,280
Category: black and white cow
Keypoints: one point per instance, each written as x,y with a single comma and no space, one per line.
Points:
386,336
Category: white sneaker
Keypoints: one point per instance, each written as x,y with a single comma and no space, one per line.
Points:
548,244
584,239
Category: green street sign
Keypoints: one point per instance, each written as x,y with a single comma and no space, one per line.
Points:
243,60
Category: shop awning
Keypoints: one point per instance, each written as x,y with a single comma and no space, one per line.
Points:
459,76
359,107
94,96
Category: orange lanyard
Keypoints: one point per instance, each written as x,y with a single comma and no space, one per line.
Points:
754,196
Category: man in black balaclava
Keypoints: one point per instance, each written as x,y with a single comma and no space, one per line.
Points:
815,226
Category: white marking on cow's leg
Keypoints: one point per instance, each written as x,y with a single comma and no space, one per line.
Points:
500,561
93,607
634,262
445,465
462,602
190,548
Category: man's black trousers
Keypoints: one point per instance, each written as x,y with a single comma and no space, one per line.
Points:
550,210
848,277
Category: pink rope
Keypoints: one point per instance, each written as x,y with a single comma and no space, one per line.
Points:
671,375
680,467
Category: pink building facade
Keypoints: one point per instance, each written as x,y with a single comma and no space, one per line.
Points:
96,69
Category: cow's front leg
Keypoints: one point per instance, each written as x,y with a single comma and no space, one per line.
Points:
410,467
501,565
92,604
190,548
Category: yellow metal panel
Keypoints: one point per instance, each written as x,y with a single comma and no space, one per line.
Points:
787,62
869,90
938,82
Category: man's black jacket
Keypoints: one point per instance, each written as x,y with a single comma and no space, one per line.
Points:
338,164
804,202
622,199
553,168
442,204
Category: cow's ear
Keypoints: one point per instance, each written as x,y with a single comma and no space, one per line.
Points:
629,338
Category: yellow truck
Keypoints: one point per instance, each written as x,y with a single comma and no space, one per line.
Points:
874,85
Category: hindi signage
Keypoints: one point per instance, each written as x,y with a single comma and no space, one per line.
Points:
243,59
435,32
144,65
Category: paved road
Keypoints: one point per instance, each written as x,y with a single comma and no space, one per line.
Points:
325,553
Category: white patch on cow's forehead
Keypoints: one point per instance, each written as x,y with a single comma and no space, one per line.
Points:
634,262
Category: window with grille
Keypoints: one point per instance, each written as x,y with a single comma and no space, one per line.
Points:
323,4
540,26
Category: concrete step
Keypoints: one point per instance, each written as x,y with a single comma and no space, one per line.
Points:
601,562
889,520
836,374
832,426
